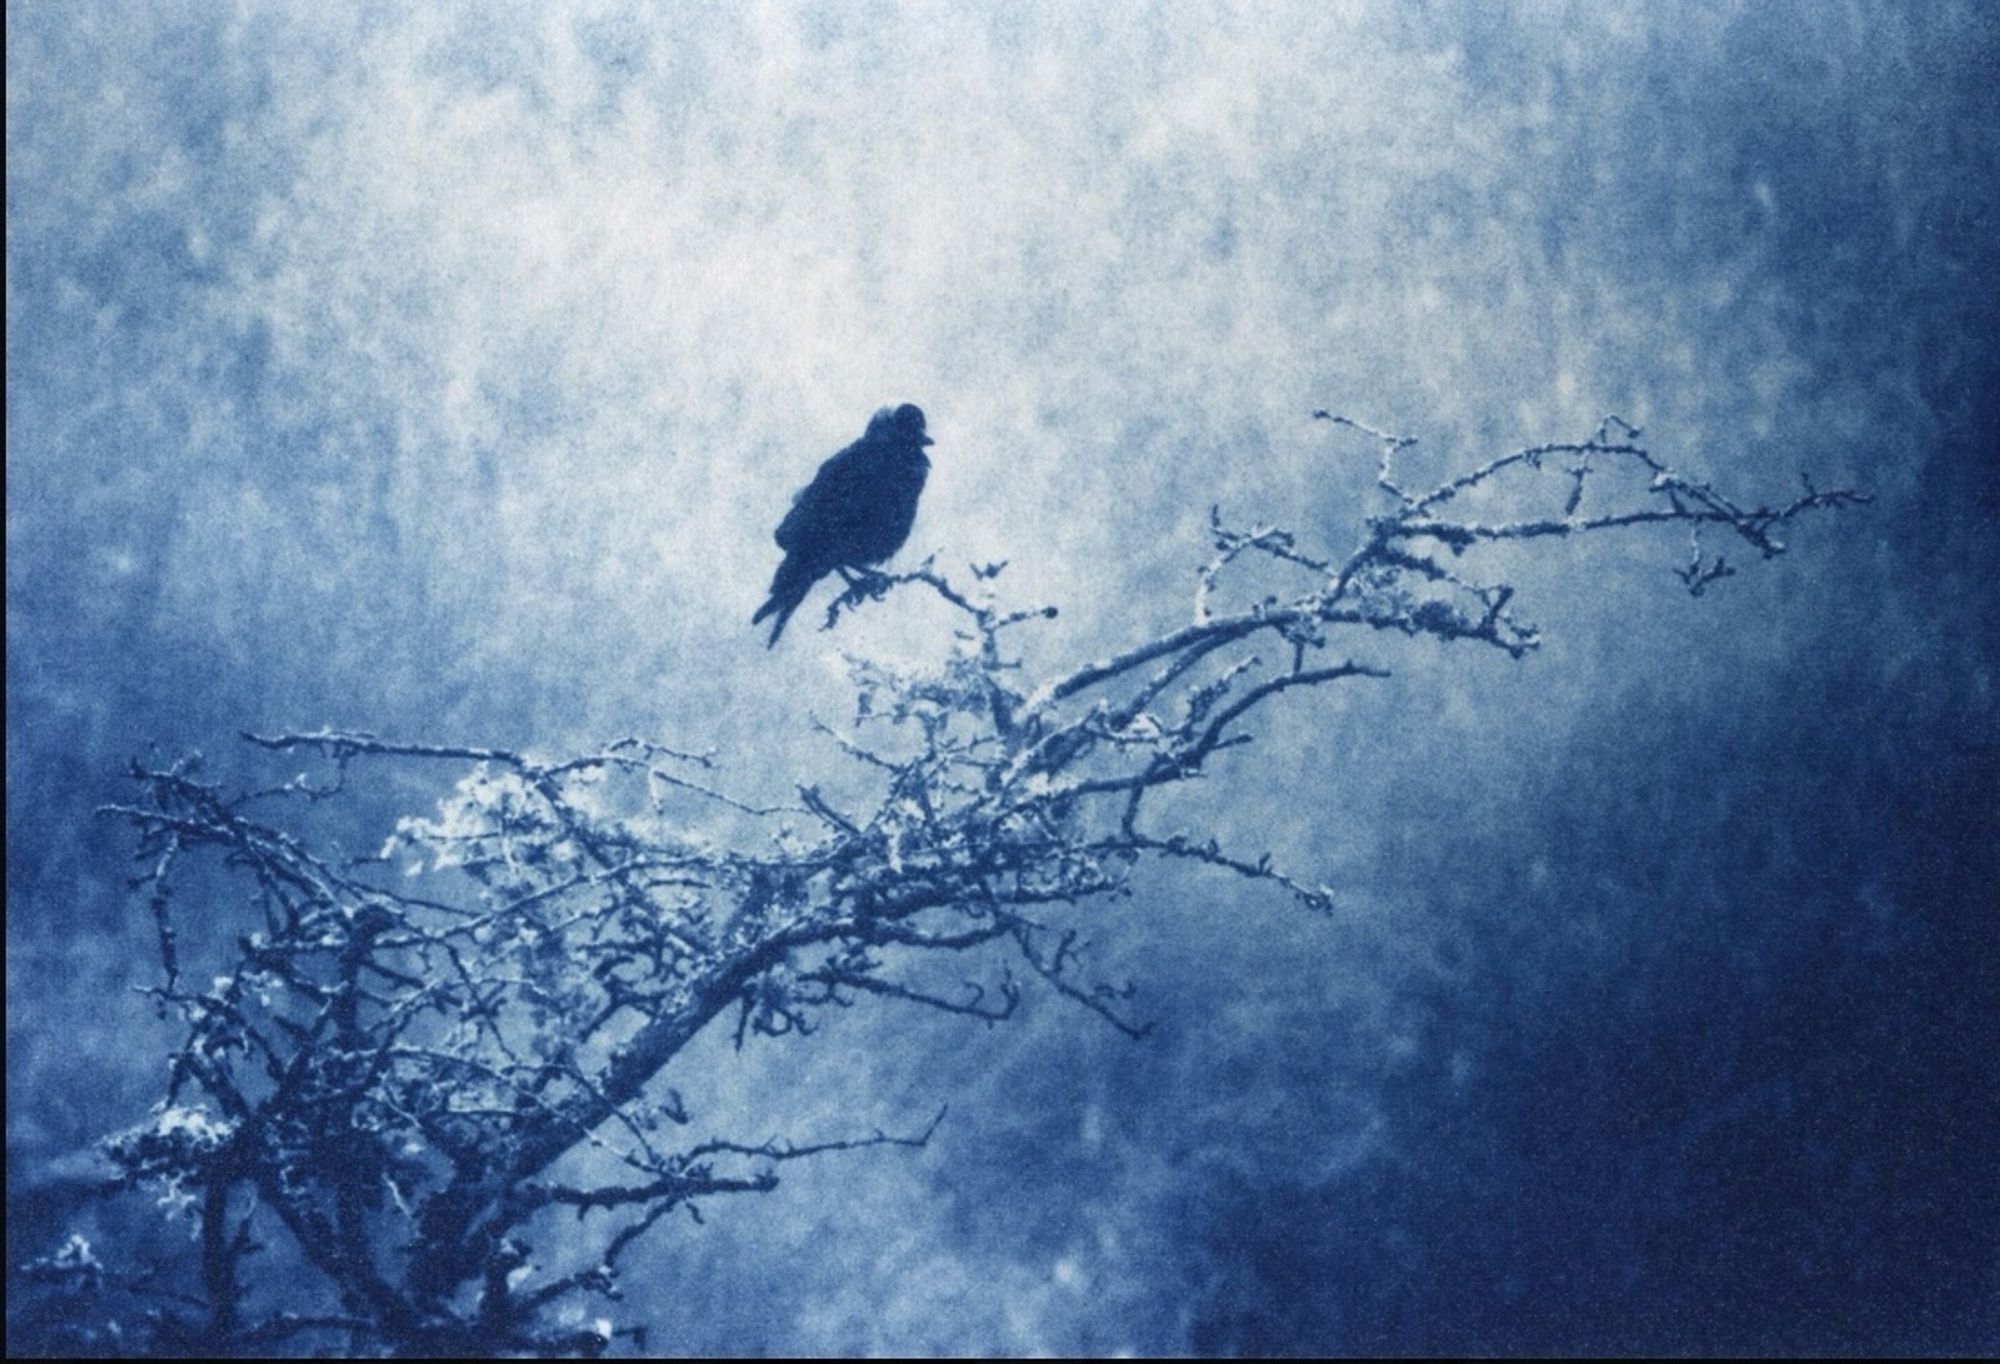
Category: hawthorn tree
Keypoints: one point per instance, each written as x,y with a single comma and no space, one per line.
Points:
406,1065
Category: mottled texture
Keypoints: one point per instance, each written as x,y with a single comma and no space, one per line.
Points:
438,373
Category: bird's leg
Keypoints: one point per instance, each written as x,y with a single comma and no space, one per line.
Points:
864,581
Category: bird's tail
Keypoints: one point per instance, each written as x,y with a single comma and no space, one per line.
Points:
784,610
788,590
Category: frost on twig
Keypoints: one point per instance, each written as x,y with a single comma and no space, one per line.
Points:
410,1060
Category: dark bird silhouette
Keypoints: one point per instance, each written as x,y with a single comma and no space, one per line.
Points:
857,510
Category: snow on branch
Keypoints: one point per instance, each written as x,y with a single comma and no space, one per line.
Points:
400,1049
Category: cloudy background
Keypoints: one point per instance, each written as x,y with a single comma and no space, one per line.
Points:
441,371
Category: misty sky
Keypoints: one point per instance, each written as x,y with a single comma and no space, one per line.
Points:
442,371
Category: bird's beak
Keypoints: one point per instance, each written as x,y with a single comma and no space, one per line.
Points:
926,440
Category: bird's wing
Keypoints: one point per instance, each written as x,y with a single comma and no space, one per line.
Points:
840,486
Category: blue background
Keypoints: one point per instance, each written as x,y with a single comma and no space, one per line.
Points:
443,373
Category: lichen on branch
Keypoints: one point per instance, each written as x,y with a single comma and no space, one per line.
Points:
409,1061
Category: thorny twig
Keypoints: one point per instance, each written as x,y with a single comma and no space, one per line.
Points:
501,984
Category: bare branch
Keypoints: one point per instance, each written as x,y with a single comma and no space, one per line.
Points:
504,981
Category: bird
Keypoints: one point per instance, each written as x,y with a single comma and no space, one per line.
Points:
856,512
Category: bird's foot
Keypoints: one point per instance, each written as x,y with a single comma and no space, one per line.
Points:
865,582
863,585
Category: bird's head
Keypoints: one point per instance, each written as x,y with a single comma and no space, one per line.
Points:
905,424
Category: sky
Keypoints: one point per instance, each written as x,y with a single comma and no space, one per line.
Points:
442,371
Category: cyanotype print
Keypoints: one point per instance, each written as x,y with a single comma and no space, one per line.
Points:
962,679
